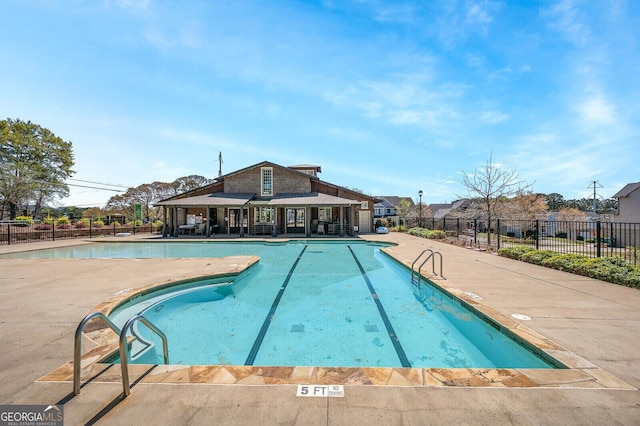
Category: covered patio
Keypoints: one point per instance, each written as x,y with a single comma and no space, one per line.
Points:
241,214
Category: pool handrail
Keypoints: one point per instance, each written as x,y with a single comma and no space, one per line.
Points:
124,348
77,346
416,275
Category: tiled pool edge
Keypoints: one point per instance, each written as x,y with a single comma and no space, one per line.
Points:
580,374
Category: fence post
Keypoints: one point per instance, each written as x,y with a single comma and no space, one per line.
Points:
475,231
8,233
598,238
90,227
53,230
498,234
537,234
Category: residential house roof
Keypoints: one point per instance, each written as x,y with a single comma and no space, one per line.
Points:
628,189
440,211
394,200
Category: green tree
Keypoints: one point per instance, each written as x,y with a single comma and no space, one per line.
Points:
555,202
34,164
404,209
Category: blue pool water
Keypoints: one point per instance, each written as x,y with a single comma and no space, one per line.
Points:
307,303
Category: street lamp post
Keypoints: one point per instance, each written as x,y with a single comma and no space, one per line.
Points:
420,209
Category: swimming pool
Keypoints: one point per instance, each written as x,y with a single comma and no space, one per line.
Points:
309,303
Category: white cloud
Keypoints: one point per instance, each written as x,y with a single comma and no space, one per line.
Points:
459,21
493,117
475,60
596,111
566,18
477,14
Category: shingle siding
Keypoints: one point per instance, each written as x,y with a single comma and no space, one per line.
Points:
250,181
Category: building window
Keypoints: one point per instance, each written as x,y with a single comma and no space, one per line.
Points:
263,214
295,218
364,205
324,214
267,181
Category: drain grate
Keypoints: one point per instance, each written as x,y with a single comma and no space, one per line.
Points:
371,328
297,328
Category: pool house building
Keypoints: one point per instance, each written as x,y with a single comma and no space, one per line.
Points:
269,200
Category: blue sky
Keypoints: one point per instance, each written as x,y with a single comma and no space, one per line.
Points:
387,97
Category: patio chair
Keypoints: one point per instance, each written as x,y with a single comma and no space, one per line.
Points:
321,228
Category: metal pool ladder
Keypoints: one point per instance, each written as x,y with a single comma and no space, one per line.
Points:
416,274
123,346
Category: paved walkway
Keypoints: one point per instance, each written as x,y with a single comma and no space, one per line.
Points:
42,301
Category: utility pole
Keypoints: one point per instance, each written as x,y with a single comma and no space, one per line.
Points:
595,185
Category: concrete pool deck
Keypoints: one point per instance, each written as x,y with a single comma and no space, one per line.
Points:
43,300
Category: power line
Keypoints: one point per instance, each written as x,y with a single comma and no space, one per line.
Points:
84,186
95,187
99,183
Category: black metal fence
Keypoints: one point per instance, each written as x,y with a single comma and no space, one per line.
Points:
593,239
16,232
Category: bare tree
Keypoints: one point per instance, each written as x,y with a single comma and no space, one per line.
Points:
527,205
571,217
490,186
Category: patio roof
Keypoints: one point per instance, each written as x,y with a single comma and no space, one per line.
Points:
311,198
220,199
217,199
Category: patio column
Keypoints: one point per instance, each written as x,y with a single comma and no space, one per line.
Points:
242,221
164,221
208,224
174,222
274,221
341,221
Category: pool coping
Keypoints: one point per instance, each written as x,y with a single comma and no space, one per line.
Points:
579,374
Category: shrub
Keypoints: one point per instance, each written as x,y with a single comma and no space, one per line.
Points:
514,252
43,227
537,256
23,221
564,262
82,223
97,223
64,221
611,269
426,233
